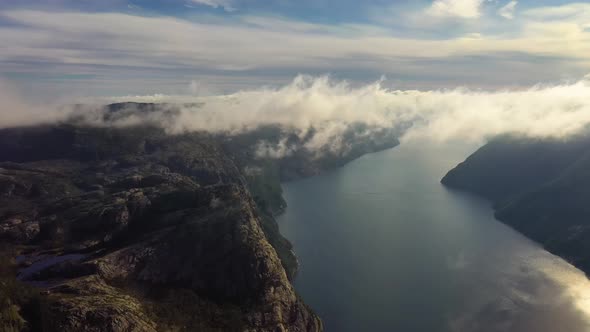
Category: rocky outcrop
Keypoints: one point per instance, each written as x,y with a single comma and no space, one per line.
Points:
90,304
166,233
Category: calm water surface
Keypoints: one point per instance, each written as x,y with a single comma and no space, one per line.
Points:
384,247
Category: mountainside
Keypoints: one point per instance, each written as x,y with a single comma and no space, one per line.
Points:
147,231
128,228
540,187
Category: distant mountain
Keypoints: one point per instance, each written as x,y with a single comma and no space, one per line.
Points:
128,228
540,187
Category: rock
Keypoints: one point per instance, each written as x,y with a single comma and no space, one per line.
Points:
19,231
171,236
94,306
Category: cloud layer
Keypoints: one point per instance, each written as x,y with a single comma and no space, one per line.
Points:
330,106
116,52
557,110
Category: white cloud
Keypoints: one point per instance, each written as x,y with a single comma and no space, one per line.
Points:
570,23
456,8
18,110
568,12
330,106
225,4
508,10
246,48
265,149
147,41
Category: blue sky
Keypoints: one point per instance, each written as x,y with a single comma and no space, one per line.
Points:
119,47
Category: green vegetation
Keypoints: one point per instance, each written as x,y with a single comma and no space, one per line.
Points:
182,310
264,184
20,304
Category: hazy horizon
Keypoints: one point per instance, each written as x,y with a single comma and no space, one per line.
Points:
68,48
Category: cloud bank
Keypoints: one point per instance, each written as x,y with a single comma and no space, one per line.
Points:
327,109
319,102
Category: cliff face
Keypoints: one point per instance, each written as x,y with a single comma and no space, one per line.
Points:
127,228
133,230
539,187
264,172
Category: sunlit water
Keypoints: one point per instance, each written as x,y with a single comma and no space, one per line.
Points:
383,246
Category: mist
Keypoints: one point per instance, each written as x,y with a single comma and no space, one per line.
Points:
16,110
330,107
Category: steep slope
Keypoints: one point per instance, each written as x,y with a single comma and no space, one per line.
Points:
134,230
130,228
539,187
264,173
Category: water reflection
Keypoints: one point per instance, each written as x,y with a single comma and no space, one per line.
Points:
384,247
540,293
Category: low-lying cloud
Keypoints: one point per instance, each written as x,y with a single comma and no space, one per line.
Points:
16,111
330,107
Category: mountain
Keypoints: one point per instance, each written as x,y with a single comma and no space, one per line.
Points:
540,187
129,228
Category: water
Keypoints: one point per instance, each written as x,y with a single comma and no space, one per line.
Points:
384,247
44,263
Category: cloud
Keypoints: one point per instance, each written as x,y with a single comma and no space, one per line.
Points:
330,107
118,44
456,8
225,4
508,10
577,12
16,110
326,111
266,149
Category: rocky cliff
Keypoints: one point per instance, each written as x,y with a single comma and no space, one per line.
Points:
130,229
540,187
113,224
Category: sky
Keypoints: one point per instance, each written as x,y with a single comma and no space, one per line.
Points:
209,47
